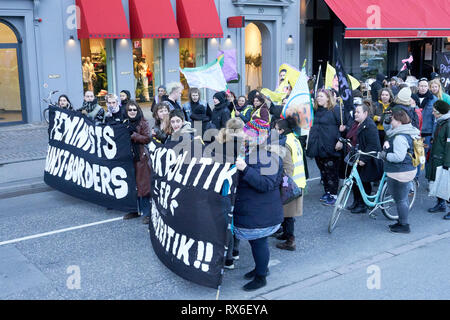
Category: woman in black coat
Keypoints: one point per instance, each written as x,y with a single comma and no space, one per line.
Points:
221,114
364,133
322,143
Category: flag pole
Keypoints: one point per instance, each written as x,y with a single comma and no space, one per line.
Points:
317,81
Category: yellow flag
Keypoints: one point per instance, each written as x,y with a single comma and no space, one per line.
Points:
290,79
331,80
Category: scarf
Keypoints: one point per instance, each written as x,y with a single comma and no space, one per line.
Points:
135,146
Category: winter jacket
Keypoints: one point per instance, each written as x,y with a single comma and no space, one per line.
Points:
258,200
173,104
220,115
408,109
427,113
205,124
440,149
159,134
324,133
142,169
368,140
188,106
379,116
400,144
376,87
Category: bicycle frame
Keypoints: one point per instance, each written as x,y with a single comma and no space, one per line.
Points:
370,201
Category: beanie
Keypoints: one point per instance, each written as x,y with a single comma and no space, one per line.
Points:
403,96
257,127
441,106
221,96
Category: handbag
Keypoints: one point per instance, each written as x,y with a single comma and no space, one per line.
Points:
289,190
441,186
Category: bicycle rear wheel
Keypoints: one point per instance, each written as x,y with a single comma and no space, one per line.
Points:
389,209
339,206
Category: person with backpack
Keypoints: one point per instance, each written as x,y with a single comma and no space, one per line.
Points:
398,165
440,150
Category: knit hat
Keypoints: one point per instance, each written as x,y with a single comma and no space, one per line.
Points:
441,106
255,128
403,96
221,96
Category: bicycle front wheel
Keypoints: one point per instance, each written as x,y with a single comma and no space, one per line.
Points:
46,115
389,209
339,206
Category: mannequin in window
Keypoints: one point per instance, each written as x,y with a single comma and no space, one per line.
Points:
142,69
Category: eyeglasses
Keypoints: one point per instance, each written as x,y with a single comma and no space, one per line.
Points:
132,110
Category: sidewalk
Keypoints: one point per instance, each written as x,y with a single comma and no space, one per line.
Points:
23,149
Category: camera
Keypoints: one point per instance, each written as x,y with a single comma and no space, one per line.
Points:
388,118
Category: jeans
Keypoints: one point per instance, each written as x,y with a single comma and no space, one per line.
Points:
144,206
261,255
400,191
288,226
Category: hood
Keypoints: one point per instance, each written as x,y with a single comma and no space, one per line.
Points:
380,77
444,117
404,129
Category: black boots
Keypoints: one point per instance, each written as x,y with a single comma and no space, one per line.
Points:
251,274
399,228
288,245
131,215
441,206
257,283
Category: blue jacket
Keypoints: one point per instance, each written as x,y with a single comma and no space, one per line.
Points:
428,119
258,201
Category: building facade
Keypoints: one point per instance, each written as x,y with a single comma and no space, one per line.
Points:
112,45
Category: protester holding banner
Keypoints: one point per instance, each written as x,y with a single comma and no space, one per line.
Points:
140,136
161,116
221,114
242,110
258,211
64,102
385,98
114,113
91,109
329,121
178,128
293,167
174,89
440,157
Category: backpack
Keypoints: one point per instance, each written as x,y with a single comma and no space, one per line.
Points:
418,156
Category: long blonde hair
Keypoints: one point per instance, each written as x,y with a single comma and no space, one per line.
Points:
436,81
331,101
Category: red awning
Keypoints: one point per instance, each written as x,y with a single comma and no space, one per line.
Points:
102,19
198,19
393,18
152,19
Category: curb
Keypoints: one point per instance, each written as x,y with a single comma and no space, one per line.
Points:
23,187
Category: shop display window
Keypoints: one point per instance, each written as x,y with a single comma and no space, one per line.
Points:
147,65
373,57
94,67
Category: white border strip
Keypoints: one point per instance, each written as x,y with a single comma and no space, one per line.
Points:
40,235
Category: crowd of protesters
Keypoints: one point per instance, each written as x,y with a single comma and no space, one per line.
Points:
387,121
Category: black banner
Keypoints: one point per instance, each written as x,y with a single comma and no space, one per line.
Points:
443,62
90,162
345,92
189,215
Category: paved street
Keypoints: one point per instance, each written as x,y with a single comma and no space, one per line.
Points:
115,259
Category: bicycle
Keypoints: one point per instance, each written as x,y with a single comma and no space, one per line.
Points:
381,200
50,103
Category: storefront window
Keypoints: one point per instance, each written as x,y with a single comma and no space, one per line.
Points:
10,103
192,55
94,61
147,61
373,57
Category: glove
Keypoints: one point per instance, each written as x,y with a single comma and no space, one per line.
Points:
382,155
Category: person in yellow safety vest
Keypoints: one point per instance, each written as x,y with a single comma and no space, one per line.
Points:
293,166
242,110
260,109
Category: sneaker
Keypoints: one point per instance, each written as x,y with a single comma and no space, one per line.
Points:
235,255
400,228
251,274
257,283
331,200
229,264
131,215
146,220
324,197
